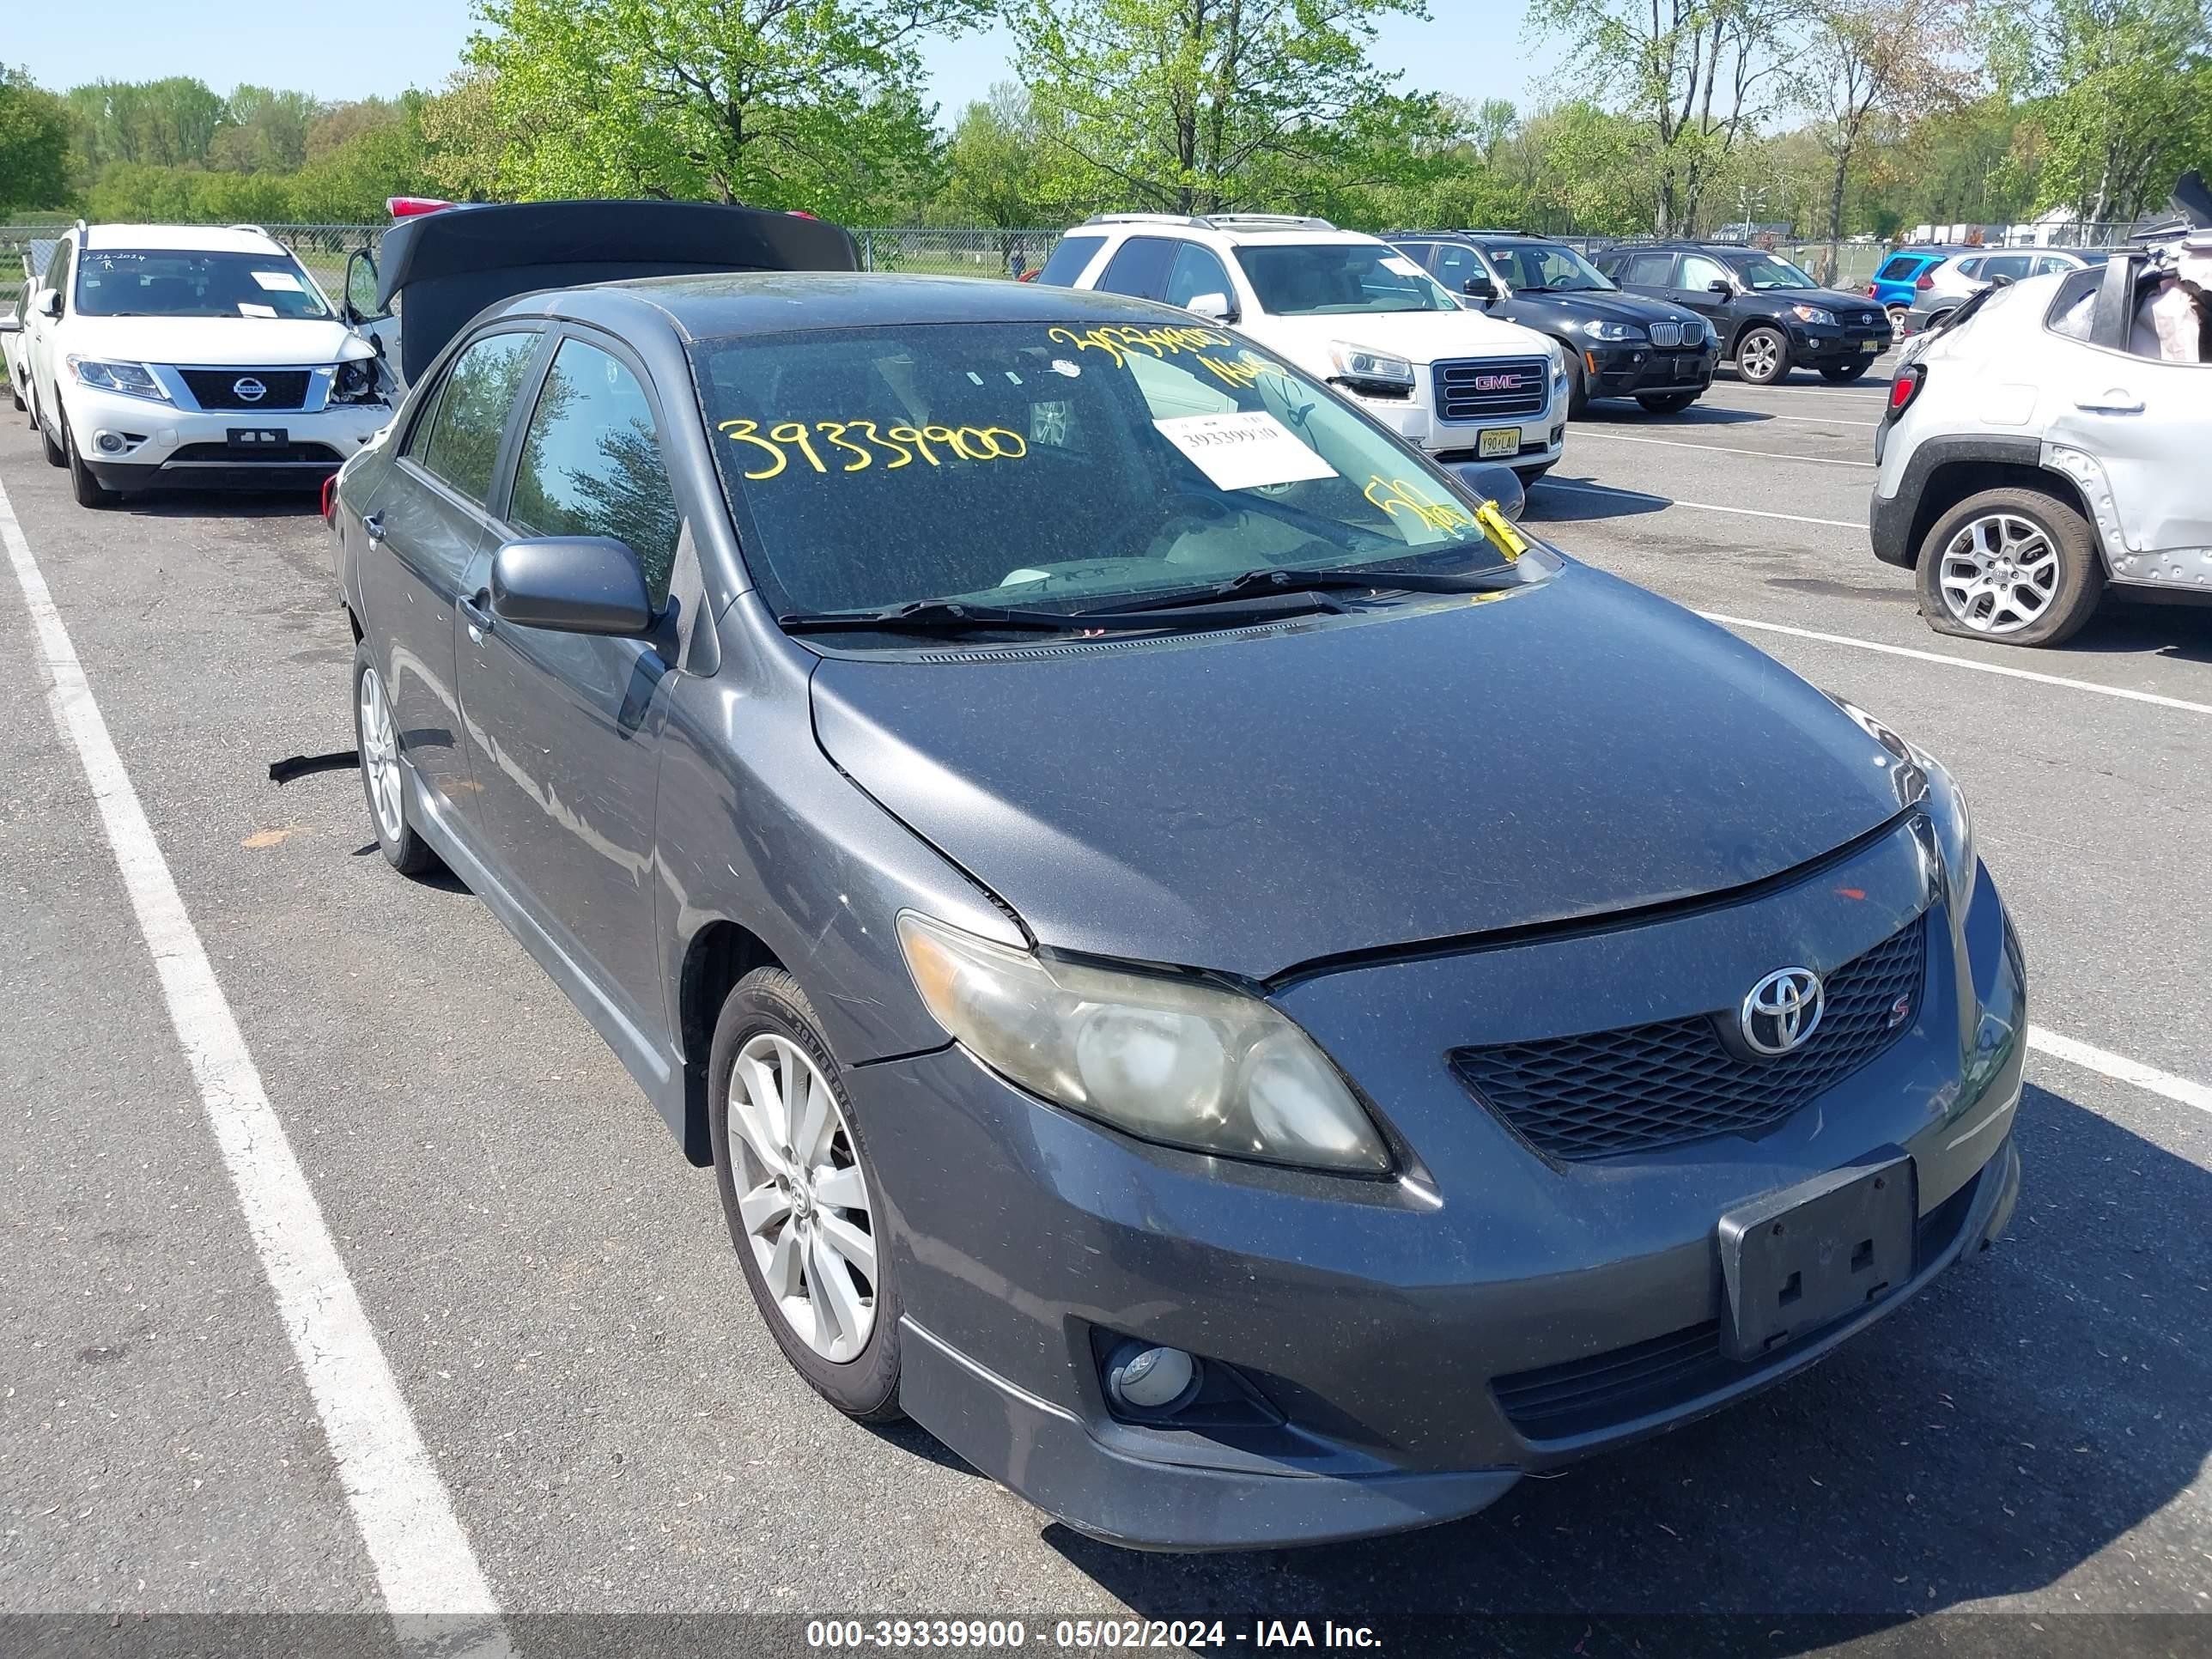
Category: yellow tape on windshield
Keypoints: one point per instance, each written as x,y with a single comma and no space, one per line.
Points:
1500,528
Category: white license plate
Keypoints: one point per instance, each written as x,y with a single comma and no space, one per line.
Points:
1498,440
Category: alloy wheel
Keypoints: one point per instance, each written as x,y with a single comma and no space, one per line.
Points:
801,1197
1759,357
380,756
1999,573
1896,324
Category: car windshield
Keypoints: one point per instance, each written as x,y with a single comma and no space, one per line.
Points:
1764,270
184,283
1546,268
1053,467
1321,279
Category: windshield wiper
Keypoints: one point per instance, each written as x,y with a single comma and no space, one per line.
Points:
933,617
1258,584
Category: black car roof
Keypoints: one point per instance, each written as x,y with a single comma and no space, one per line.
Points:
726,304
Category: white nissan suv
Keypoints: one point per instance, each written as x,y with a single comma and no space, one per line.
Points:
166,356
1349,309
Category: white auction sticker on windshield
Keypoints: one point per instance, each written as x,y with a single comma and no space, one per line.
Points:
1243,450
278,282
1402,267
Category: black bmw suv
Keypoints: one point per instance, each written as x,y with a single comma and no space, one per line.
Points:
1619,345
1771,316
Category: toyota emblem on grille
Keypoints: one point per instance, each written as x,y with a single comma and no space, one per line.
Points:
247,390
1783,1011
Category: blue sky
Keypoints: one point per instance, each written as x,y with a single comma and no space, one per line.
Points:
1470,47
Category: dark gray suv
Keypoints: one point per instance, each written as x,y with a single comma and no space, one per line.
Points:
1255,1000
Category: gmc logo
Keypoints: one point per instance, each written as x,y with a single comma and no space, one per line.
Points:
1498,383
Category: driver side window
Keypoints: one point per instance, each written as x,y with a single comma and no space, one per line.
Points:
1196,271
1699,273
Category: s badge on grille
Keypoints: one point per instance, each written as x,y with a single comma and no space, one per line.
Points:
1783,1012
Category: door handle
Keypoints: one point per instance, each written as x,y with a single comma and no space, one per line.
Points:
478,612
372,526
2116,401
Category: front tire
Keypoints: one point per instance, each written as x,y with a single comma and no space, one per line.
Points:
1666,403
56,455
1578,395
2017,565
804,1209
87,490
382,781
1897,314
1762,356
1844,373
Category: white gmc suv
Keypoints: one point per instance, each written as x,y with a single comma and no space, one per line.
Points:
166,357
1348,309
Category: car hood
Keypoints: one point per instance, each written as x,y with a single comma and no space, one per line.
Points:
1419,336
1253,801
1585,305
1844,304
216,342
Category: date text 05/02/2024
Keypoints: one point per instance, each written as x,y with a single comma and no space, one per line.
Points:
1088,1635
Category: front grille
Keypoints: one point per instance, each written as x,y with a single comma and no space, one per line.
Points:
1666,334
217,388
1609,1390
1485,389
1647,1086
257,455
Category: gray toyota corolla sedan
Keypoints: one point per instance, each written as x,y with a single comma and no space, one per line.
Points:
1255,1001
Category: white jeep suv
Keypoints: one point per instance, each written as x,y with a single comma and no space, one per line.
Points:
1349,309
2037,452
166,356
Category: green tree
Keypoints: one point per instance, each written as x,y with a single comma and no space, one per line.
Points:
779,103
2129,104
168,123
1002,167
1193,106
264,131
1695,77
34,136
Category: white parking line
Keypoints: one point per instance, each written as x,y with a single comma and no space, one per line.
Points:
1717,449
1604,494
2120,1068
1887,650
433,1591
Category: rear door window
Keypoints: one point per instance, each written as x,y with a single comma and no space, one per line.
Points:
591,462
1069,260
1140,267
1649,271
459,443
1899,269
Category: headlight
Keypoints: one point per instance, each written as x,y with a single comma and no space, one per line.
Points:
355,382
1187,1063
1813,314
1598,329
1923,780
131,380
1364,367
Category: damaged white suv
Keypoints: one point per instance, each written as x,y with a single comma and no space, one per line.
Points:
2043,449
168,356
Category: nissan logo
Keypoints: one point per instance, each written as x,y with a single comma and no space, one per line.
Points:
1783,1011
247,390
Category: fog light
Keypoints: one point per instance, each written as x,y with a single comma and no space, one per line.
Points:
109,443
1150,1379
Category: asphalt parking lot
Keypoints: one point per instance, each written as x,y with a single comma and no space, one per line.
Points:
555,1295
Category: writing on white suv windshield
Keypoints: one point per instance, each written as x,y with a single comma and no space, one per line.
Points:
185,282
1330,278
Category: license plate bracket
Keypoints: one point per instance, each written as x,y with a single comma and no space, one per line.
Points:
256,437
1872,345
1691,366
1498,440
1802,1258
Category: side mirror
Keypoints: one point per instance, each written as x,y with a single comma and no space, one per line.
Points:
1721,287
1486,481
1215,307
571,584
1481,287
10,323
357,297
47,302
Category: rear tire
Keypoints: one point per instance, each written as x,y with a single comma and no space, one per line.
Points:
1667,403
1897,314
87,490
383,783
1762,355
836,1317
2013,566
1843,374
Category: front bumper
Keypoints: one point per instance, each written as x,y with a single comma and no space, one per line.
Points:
1541,442
1817,346
1397,1328
1629,370
137,443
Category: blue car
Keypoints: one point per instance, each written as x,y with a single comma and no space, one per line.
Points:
1893,283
